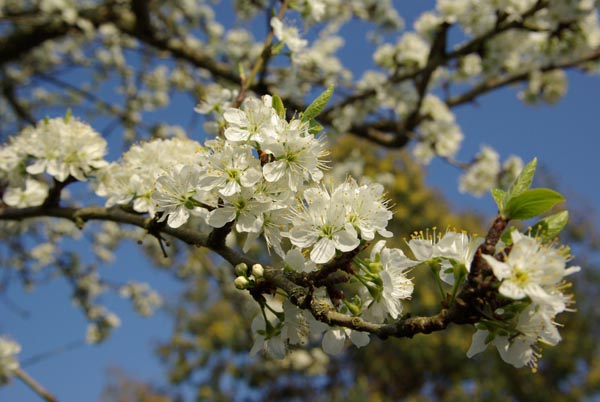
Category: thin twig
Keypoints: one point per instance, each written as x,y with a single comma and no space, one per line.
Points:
34,385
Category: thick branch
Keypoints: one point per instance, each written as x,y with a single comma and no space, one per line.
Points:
466,308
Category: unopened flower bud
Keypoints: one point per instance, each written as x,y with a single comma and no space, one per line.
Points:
241,282
258,271
241,269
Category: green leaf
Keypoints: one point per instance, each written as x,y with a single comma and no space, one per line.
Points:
314,127
522,182
531,203
499,196
549,227
278,106
315,108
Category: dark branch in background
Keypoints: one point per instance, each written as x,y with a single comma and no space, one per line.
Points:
499,82
136,21
10,94
141,11
30,36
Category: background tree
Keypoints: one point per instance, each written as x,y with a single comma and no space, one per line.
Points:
124,66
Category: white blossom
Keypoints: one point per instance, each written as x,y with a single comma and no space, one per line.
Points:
297,155
318,221
34,194
391,266
178,195
229,168
288,35
334,339
8,361
65,147
482,174
252,122
535,327
532,270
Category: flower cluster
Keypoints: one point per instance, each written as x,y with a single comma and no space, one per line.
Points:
532,273
263,176
61,147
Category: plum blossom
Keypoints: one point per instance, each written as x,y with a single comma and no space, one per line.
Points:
34,194
482,174
229,168
244,209
297,155
252,122
288,35
535,326
532,270
318,221
335,339
366,208
65,147
453,250
391,266
177,195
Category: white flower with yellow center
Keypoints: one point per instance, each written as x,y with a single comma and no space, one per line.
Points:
318,221
532,270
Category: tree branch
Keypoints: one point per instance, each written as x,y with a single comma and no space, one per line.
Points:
467,308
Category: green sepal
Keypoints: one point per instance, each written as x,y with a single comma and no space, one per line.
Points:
531,203
506,236
278,106
317,106
277,48
549,227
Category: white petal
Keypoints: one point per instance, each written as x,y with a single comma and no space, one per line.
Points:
302,237
422,249
274,171
323,251
178,218
359,339
230,188
501,269
377,249
511,290
219,217
333,341
478,344
345,241
250,177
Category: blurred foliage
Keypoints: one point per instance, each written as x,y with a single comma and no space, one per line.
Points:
208,351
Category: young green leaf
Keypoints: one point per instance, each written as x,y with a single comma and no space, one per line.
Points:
498,195
278,106
314,127
317,106
531,203
549,227
522,182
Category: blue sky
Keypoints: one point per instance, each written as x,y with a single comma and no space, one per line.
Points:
565,137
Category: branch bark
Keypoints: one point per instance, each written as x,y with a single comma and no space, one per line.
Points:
467,308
